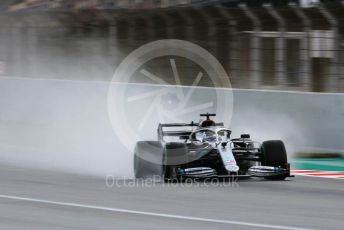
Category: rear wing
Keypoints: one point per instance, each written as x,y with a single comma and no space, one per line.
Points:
183,134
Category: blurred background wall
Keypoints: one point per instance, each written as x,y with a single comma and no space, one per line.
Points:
48,122
287,45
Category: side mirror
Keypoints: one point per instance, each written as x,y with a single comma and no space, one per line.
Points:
245,136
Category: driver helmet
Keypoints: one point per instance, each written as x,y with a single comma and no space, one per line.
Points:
207,123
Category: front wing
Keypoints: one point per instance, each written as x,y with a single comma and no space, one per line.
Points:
255,171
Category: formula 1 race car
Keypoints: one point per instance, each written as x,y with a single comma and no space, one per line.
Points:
205,149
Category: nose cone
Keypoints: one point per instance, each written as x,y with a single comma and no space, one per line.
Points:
232,168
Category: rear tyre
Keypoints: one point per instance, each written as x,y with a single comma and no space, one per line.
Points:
148,159
275,155
175,155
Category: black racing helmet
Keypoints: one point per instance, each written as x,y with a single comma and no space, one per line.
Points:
207,123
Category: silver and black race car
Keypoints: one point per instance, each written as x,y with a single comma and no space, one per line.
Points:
205,150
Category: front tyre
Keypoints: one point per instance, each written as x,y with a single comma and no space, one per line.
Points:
275,155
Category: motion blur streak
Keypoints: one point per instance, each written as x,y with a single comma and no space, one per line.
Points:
50,200
265,226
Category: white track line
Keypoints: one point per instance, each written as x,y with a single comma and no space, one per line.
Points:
76,205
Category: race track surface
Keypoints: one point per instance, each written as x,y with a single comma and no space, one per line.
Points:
34,199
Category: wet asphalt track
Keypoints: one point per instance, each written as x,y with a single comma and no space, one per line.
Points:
34,199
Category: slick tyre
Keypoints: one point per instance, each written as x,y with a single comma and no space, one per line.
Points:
275,155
